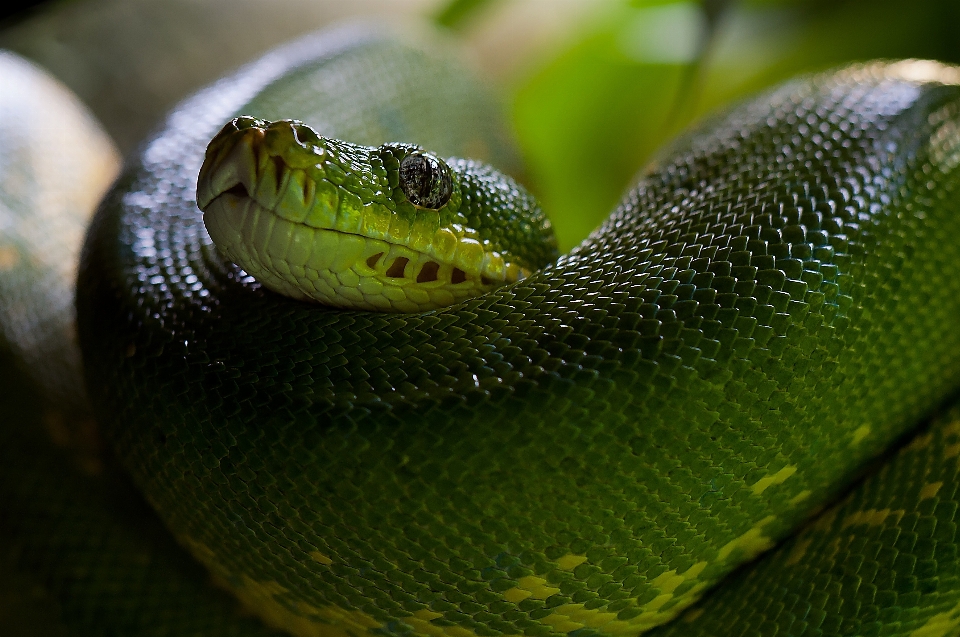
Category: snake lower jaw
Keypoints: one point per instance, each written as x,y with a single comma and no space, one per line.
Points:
337,269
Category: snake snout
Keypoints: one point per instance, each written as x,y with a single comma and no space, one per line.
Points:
230,163
259,156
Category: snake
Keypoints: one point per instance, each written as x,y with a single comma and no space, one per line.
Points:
727,412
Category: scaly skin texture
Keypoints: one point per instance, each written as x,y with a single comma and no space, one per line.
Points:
81,553
587,449
881,563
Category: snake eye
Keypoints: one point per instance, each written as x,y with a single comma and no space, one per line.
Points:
425,180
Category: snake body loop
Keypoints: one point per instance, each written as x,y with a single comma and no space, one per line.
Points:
588,449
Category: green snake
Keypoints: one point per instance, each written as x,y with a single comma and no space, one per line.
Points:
587,450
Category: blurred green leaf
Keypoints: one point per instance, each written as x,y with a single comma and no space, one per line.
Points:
589,119
456,13
763,43
641,70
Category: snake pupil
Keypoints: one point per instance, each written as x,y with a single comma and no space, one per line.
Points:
425,180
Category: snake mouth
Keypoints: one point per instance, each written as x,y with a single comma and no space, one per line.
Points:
336,268
387,259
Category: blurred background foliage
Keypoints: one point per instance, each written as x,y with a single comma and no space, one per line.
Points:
638,72
594,87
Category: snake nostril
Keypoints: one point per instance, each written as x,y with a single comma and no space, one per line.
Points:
372,260
305,134
485,280
396,269
237,190
458,276
428,272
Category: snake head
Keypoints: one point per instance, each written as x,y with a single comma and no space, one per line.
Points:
390,228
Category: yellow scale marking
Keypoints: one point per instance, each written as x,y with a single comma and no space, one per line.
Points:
940,625
570,561
798,551
861,432
951,451
420,621
530,586
778,478
871,517
327,621
922,441
930,490
310,621
750,544
569,617
321,558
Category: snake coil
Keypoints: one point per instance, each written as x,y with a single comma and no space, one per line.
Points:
587,450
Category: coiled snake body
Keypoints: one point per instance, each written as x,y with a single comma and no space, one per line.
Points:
587,450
